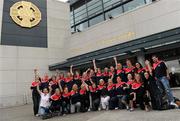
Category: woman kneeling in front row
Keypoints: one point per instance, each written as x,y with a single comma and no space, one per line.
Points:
75,99
138,94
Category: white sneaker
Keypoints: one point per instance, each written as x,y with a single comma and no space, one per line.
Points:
174,104
127,107
132,109
107,108
37,115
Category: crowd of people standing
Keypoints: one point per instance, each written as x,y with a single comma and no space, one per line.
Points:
121,87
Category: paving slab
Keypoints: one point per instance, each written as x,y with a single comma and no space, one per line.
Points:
24,113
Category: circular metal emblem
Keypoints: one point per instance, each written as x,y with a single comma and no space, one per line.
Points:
25,14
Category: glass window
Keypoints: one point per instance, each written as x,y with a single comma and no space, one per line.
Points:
115,12
80,13
94,7
72,30
71,13
82,26
133,4
80,18
72,23
96,20
148,1
80,8
110,3
93,2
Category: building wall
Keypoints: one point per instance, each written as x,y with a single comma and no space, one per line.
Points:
150,19
17,62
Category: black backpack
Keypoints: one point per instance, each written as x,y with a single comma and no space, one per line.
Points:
159,98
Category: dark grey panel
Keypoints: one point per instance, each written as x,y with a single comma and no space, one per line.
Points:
36,31
13,34
20,40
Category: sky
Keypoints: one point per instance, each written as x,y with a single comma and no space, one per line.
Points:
63,0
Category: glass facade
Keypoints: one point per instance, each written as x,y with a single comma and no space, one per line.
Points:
133,4
86,13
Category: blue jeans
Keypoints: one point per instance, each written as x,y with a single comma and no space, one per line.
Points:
44,111
165,83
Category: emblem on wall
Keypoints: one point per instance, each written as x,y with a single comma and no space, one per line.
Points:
25,14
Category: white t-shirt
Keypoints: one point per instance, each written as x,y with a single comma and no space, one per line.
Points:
45,100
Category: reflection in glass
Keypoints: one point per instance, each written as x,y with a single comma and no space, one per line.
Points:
133,4
115,12
92,11
96,20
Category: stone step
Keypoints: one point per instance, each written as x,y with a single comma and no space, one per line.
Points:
176,92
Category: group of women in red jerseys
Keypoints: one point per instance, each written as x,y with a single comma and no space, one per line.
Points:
119,87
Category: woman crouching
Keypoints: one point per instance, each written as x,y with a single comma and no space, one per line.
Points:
113,102
56,103
84,93
44,102
95,97
75,99
66,101
104,95
121,93
138,94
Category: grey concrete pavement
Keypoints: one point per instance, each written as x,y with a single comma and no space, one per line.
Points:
24,113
